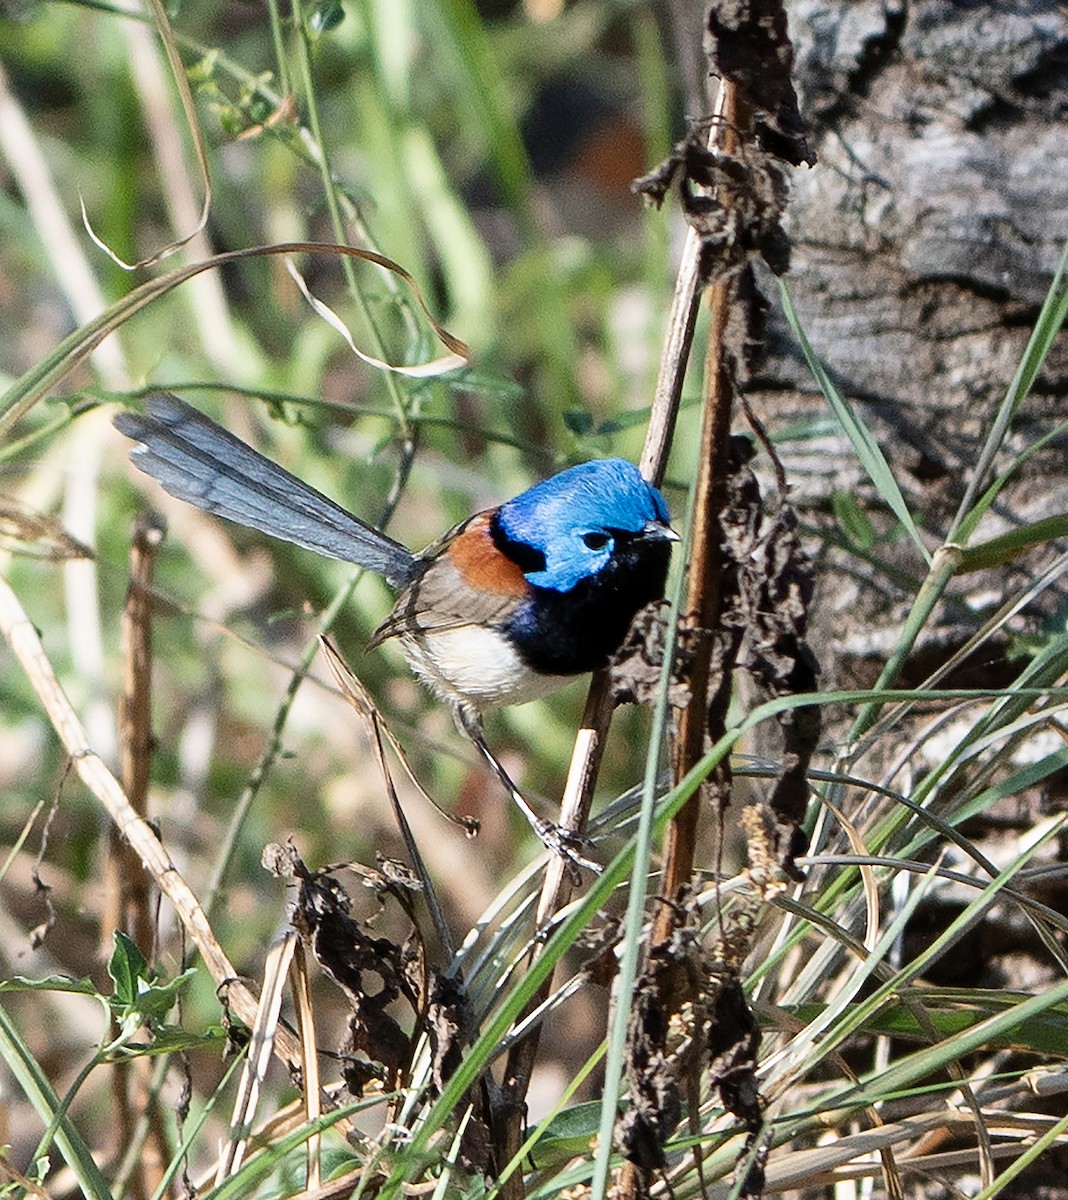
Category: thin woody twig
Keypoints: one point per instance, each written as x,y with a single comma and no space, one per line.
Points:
300,985
703,595
674,357
590,740
23,638
127,886
361,702
700,610
589,743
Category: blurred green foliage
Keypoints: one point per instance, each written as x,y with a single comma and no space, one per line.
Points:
489,154
485,152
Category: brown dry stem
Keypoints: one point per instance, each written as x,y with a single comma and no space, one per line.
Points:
597,714
127,886
700,612
23,638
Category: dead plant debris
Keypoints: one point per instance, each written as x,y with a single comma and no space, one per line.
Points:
747,42
770,607
734,202
690,1010
636,666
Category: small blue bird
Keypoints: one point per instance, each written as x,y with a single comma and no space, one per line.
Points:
502,609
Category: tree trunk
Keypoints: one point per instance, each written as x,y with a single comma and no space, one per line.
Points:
924,241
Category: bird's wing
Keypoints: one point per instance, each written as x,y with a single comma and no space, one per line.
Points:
200,462
441,599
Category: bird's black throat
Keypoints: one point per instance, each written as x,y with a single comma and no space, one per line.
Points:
569,633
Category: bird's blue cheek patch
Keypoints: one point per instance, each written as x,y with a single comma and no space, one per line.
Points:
567,563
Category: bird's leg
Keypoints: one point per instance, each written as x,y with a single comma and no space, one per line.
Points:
556,838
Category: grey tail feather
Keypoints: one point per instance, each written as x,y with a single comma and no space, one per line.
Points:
200,462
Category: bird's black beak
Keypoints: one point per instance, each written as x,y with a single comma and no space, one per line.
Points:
658,531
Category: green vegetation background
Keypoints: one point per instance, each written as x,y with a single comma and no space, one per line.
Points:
488,155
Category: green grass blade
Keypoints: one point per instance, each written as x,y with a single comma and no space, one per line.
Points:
914,1067
1052,316
999,550
27,1072
943,568
865,445
191,1128
1046,1033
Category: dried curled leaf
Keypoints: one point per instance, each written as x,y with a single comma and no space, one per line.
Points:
659,1048
733,1042
738,211
439,366
397,874
778,589
373,972
747,42
636,666
476,1147
770,606
598,946
732,1045
654,1113
689,1011
447,1021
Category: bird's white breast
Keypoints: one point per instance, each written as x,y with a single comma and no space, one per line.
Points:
475,667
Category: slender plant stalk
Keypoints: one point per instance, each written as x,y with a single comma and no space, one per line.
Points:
701,608
597,715
127,885
330,194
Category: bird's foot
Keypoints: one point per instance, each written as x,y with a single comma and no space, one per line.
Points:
566,843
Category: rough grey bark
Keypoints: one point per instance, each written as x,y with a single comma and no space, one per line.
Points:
924,242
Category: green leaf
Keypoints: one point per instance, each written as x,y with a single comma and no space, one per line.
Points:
154,1001
50,983
482,382
173,1039
853,521
571,1132
1002,1028
486,97
326,15
1045,1033
136,994
127,968
1007,546
578,421
258,1167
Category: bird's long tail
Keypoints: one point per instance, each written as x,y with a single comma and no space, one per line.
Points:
200,462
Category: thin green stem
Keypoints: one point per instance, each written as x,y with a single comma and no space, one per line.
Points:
28,1074
275,744
278,39
943,568
330,194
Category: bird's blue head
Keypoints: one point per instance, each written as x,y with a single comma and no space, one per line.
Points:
567,528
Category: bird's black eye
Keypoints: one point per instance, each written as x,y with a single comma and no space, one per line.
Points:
596,541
